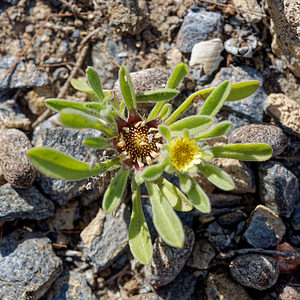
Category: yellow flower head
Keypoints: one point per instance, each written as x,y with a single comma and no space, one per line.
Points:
184,154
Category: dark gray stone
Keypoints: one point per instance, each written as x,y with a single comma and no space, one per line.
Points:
15,164
256,271
68,141
251,107
70,286
24,75
197,26
167,262
28,266
265,228
256,133
296,217
11,116
24,203
278,188
106,237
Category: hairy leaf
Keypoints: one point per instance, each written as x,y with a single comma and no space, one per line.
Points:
157,95
220,129
96,143
95,82
127,88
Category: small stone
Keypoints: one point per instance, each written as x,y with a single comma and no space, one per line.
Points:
174,57
106,237
252,106
24,203
290,292
16,166
249,9
11,116
265,229
36,99
202,255
256,133
28,266
167,262
197,26
70,286
220,286
256,271
285,111
24,75
278,188
296,217
243,45
148,296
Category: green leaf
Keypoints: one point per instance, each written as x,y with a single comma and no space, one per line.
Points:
247,152
156,95
195,193
174,196
56,164
165,220
216,99
96,143
165,111
95,82
154,171
114,193
185,182
139,236
95,106
127,88
217,176
77,119
194,125
220,129
165,132
81,86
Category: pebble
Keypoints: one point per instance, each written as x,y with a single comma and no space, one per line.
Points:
167,262
296,217
285,111
36,99
207,55
11,116
256,271
174,57
265,229
25,75
279,188
70,286
246,6
197,26
69,141
28,266
289,292
106,237
252,106
220,286
16,166
242,45
257,133
24,203
148,296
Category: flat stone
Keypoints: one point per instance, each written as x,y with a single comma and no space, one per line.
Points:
197,26
290,292
11,116
28,266
167,262
69,141
70,286
259,272
252,106
220,286
24,203
285,111
278,188
106,237
256,133
265,229
16,166
24,75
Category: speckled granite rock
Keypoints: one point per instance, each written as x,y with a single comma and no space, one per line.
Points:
257,133
24,203
289,292
106,237
265,229
70,286
11,116
285,111
16,166
167,261
278,188
28,266
256,271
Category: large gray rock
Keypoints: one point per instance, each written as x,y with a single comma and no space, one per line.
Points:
28,266
24,203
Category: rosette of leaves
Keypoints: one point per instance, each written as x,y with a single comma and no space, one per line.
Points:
146,147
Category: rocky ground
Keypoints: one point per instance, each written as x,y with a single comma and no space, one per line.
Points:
56,241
